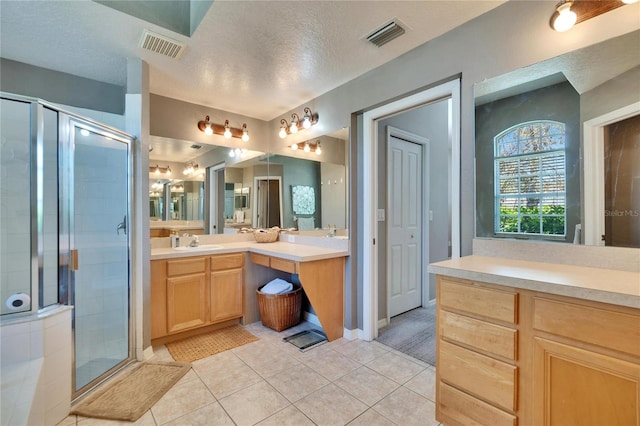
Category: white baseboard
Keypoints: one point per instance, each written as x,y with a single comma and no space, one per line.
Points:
382,322
351,334
147,353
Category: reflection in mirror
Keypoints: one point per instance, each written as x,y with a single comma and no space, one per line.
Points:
231,197
528,142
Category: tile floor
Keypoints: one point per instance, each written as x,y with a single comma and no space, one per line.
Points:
270,382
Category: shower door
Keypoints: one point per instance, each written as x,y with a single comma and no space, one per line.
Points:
95,192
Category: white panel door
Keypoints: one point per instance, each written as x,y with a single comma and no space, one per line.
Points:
404,225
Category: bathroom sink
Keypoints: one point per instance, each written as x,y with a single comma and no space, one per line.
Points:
200,247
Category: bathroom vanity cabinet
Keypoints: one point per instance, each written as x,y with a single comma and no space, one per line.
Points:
513,356
192,292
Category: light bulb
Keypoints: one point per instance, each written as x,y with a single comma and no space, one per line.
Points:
84,132
232,153
293,128
306,121
208,130
245,135
318,149
307,148
168,171
294,146
283,132
227,132
157,170
629,1
566,18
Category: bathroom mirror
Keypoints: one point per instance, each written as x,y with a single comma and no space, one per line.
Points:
533,152
239,205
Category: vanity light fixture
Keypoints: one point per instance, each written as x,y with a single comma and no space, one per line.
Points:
245,132
160,170
240,153
564,18
284,129
309,147
225,130
190,169
308,120
294,123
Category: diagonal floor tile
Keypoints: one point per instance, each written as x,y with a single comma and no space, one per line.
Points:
395,367
407,408
253,404
331,406
297,382
367,385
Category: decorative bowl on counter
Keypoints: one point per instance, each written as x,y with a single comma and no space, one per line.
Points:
265,235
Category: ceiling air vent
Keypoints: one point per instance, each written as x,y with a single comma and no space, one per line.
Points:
386,33
160,44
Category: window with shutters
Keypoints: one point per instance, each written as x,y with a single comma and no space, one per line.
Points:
530,179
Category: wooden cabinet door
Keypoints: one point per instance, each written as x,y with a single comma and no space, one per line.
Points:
186,302
574,386
226,294
158,298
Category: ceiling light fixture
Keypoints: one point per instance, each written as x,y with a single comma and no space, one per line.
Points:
308,120
571,12
209,128
564,18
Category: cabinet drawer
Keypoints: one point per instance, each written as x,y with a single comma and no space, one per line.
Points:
284,265
260,259
469,411
615,330
494,381
186,266
492,338
487,302
229,261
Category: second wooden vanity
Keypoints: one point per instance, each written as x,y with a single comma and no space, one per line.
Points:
522,355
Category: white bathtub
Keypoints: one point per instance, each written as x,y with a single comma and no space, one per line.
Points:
35,367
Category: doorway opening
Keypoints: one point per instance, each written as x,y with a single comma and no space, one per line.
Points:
268,202
375,312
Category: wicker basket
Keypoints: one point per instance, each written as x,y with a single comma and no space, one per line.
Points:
266,235
280,311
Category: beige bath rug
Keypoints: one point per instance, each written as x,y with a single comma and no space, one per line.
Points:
204,345
130,396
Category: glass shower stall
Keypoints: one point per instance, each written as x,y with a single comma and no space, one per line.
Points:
65,197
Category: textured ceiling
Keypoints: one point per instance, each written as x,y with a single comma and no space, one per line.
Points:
256,58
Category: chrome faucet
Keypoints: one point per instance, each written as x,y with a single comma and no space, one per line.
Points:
332,231
194,241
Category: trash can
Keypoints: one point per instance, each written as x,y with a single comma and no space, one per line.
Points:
280,311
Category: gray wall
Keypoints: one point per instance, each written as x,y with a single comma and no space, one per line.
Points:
59,87
513,35
431,122
559,102
297,171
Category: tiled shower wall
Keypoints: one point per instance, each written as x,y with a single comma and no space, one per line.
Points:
15,214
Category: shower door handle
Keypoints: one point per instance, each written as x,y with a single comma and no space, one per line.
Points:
122,225
73,260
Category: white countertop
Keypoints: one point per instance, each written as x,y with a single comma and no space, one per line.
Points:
291,251
601,285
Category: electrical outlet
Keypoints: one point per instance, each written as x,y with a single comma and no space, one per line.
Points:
380,215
